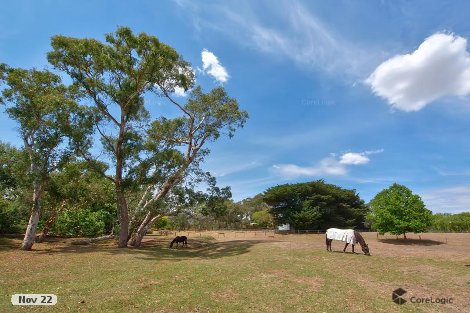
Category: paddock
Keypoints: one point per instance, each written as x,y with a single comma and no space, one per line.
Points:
240,271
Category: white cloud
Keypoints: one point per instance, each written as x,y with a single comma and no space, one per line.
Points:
212,66
180,92
299,35
327,166
440,67
330,166
451,200
354,158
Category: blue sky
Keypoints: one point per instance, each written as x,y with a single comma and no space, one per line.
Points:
359,93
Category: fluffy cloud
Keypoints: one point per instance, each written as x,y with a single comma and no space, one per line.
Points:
440,67
330,166
354,158
212,66
327,166
180,92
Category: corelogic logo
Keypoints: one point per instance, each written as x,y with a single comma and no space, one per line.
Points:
397,296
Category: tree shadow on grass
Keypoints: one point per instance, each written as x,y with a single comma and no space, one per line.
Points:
411,242
10,242
157,249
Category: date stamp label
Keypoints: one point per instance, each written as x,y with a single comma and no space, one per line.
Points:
34,299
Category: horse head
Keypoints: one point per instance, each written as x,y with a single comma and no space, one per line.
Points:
365,249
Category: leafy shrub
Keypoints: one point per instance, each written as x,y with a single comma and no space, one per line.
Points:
83,223
161,223
451,222
10,218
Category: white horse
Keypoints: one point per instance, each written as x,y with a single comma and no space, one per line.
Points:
350,236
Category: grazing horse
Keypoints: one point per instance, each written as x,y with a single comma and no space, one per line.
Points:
179,239
350,236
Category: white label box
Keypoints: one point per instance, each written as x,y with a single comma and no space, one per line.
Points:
34,299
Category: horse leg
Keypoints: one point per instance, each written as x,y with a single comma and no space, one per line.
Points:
344,250
353,248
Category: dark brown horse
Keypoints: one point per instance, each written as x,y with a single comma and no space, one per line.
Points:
349,236
178,239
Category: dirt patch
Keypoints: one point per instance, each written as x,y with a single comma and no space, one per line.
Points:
312,283
226,295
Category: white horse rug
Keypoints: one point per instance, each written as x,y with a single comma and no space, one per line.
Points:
346,235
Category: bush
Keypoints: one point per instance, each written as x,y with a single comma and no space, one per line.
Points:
83,223
10,218
161,223
262,218
451,222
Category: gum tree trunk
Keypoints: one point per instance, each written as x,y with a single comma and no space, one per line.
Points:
137,237
30,234
123,218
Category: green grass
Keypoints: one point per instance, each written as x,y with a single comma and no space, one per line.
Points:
210,276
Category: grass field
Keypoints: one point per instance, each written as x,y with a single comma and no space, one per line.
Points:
240,272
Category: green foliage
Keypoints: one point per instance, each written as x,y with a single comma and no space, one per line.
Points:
315,205
80,193
13,166
10,217
46,112
82,222
179,222
446,222
398,211
262,218
115,75
161,223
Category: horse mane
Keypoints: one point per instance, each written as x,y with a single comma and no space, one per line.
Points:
359,238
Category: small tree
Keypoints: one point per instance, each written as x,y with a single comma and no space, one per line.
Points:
398,211
263,219
46,113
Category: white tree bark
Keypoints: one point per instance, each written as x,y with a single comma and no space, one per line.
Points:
30,234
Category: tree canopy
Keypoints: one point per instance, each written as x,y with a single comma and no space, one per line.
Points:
398,211
315,205
150,156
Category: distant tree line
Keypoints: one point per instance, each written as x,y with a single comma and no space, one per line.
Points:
445,222
79,202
